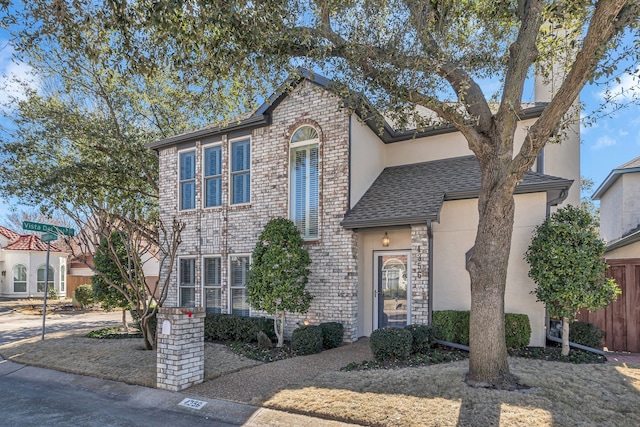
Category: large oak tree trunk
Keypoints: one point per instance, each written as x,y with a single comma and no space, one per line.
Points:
487,267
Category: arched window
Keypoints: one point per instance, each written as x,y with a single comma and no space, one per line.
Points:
19,278
304,194
42,276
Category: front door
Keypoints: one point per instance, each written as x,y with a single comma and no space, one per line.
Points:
392,289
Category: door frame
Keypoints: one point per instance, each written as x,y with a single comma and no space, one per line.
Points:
376,285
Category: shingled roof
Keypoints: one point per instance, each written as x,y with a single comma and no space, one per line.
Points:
413,194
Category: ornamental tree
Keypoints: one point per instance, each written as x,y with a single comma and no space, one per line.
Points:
566,263
279,273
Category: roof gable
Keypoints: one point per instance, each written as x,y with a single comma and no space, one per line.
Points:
414,193
631,166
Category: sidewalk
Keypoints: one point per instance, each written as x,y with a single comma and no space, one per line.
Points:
142,398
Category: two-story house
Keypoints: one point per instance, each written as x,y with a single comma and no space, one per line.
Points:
387,217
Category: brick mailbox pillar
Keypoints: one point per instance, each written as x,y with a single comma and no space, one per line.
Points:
180,347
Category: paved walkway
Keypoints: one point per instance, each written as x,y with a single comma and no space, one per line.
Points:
256,384
623,357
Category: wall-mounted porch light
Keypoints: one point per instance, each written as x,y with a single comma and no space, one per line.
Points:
386,240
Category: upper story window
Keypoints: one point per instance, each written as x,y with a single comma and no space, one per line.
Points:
303,206
20,278
241,171
213,176
187,180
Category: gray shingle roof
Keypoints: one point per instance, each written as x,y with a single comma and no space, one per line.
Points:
413,194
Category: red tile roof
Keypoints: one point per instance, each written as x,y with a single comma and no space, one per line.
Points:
25,242
9,234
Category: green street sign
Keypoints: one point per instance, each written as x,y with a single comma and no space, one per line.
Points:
47,228
49,237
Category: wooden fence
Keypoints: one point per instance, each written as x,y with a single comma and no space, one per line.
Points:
74,281
620,320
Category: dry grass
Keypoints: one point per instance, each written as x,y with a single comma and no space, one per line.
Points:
123,360
561,395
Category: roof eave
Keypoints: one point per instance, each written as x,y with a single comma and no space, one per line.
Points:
610,180
388,222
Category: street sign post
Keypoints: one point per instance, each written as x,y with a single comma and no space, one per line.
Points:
47,228
50,234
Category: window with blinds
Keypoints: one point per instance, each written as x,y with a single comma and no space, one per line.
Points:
187,180
241,171
238,274
212,158
304,185
187,282
212,282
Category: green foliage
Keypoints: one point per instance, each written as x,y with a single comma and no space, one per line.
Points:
53,293
279,273
453,326
227,327
517,330
111,333
110,260
153,320
391,343
307,340
423,337
586,334
332,333
84,295
565,257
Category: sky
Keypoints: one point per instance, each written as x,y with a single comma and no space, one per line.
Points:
612,141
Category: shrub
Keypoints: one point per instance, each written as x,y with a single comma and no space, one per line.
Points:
53,293
153,321
586,334
422,338
227,327
84,295
453,326
331,334
391,343
307,340
517,330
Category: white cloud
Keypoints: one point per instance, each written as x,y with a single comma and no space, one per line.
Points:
622,132
13,75
603,142
627,89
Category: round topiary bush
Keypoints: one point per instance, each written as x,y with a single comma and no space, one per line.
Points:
423,338
331,334
84,295
307,340
391,343
586,334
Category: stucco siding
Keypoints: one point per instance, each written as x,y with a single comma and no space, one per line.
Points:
611,212
367,158
455,235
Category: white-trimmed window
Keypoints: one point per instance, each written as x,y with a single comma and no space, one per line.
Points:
240,171
187,180
238,273
303,186
42,277
212,158
19,278
63,279
187,282
212,283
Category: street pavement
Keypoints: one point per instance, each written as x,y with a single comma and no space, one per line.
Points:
31,396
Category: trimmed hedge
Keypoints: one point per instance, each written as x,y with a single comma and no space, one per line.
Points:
307,340
453,326
586,334
332,333
227,327
391,343
83,295
423,338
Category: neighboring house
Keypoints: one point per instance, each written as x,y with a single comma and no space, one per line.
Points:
23,265
387,219
619,196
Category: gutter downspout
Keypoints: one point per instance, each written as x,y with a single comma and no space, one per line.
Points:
430,273
579,346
